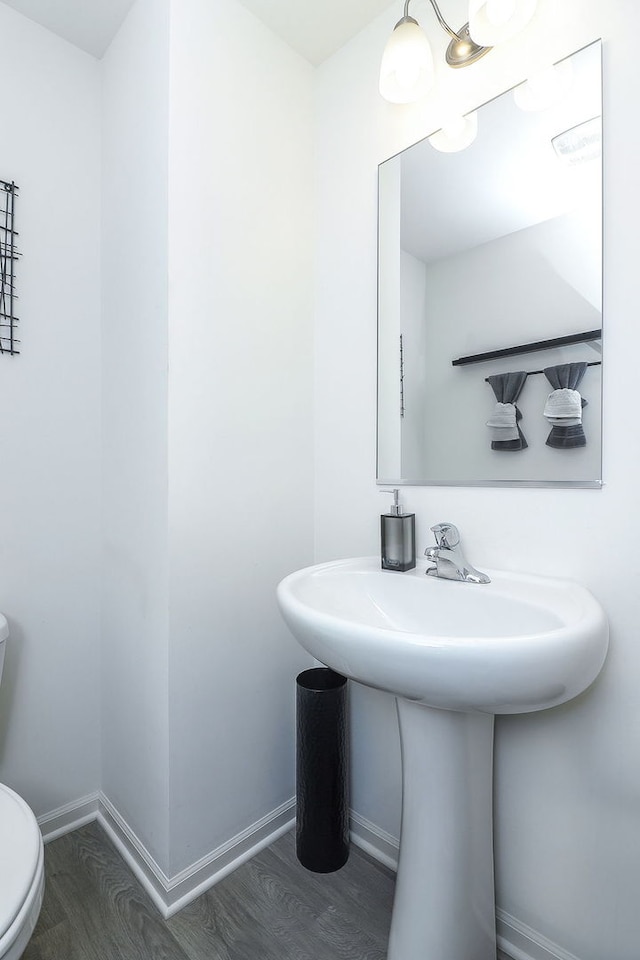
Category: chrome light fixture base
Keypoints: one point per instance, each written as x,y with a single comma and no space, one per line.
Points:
406,19
463,50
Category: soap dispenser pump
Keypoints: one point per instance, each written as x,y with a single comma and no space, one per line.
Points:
397,537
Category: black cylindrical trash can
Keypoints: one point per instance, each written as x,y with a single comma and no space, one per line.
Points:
322,770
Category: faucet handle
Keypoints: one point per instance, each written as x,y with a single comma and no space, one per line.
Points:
447,535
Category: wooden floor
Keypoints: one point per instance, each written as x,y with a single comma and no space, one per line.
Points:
271,908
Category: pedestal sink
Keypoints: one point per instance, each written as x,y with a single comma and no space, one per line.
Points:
454,655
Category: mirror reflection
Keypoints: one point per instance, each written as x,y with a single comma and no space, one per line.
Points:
490,294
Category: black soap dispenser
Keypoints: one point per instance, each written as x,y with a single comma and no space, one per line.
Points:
397,537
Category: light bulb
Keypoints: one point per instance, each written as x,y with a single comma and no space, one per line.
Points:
457,133
494,21
406,71
499,12
545,88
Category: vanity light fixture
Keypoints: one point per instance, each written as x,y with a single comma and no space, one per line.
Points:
407,72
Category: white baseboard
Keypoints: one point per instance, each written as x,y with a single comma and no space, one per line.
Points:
134,853
379,844
520,942
69,817
169,894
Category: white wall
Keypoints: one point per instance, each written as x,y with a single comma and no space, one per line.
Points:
240,394
568,784
207,355
222,450
135,618
49,421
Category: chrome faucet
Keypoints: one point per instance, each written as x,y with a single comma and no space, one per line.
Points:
448,558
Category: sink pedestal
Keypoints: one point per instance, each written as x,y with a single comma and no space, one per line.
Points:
444,907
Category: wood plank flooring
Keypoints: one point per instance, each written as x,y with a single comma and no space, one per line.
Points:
271,908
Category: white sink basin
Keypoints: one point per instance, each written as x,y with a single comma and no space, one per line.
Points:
517,644
454,654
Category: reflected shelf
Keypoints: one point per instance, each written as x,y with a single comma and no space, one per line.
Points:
533,347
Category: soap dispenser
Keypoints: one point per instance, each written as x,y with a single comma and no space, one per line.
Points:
397,537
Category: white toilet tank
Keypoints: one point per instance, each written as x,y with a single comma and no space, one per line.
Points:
4,633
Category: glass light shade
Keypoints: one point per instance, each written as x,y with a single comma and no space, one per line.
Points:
494,21
457,133
406,72
545,88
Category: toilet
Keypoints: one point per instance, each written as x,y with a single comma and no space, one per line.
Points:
21,862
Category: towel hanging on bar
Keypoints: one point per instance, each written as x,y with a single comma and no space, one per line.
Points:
507,387
563,408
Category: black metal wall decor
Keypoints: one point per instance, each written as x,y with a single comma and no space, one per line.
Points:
8,257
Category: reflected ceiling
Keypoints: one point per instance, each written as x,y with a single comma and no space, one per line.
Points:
538,187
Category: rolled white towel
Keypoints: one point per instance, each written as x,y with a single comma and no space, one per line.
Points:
503,416
564,405
504,433
564,421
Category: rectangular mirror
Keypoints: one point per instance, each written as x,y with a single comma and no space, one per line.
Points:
490,294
